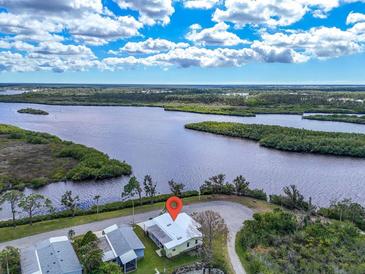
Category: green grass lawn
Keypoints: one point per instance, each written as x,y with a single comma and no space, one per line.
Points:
10,233
151,260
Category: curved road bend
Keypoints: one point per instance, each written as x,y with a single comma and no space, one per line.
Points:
233,213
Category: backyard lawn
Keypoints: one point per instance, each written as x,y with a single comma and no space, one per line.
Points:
152,261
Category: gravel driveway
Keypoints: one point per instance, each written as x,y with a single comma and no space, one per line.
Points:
233,213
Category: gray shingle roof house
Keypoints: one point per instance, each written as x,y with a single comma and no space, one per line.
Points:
121,244
53,256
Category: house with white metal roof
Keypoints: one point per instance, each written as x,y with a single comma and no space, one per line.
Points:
121,245
53,256
174,237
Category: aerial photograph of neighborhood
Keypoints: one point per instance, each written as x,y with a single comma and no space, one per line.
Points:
182,136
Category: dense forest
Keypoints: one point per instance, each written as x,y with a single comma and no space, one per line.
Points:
290,139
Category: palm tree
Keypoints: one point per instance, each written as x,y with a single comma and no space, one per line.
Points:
96,199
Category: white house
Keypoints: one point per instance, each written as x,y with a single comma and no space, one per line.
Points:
174,237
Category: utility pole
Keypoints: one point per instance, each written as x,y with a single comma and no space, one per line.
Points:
133,211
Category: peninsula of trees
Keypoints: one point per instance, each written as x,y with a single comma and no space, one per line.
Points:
33,159
290,139
355,119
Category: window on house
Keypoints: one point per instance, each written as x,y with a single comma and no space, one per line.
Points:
196,242
188,244
174,250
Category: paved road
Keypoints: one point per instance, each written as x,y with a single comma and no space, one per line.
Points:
233,213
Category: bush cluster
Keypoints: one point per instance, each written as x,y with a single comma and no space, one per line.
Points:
276,242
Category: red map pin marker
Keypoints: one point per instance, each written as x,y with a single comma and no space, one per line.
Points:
174,206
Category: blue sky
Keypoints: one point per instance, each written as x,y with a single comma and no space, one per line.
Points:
183,41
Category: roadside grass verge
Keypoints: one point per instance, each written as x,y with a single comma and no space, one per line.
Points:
20,231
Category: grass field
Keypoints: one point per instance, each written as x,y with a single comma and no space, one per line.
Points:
10,233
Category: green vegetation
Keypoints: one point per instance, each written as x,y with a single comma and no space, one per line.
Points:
10,260
88,252
35,159
239,187
206,109
338,118
345,210
292,199
64,219
290,139
33,111
152,261
239,101
276,242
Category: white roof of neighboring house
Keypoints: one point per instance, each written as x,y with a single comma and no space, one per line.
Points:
172,233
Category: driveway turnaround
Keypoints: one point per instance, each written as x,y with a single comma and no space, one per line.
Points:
233,214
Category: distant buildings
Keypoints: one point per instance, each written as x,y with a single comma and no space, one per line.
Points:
173,237
121,245
52,256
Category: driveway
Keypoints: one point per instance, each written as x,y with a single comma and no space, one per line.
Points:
233,213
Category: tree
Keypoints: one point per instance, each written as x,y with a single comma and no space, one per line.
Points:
214,184
309,212
149,187
176,188
241,185
295,198
70,202
10,260
12,197
346,210
139,190
129,191
33,202
89,253
96,199
212,227
109,268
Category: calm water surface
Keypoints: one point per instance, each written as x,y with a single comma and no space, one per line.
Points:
155,142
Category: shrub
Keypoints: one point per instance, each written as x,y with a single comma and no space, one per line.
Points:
258,194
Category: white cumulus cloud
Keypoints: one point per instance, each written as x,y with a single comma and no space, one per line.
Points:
218,35
149,46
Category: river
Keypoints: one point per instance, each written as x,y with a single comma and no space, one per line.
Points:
155,142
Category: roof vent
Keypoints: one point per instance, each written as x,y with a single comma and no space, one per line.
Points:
168,224
179,238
